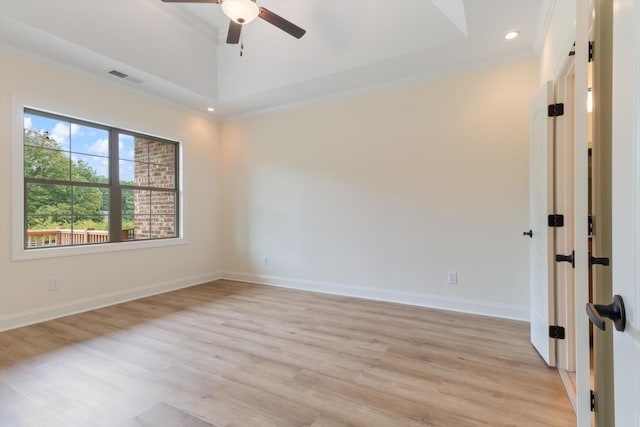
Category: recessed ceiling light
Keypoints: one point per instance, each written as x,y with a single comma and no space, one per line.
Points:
512,35
211,109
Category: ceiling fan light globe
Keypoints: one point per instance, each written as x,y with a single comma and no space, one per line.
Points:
240,11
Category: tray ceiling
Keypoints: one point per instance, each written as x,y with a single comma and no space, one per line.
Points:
178,51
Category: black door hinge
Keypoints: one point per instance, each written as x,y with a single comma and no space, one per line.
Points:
593,400
555,110
556,332
556,220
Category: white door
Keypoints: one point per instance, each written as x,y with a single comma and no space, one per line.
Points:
540,205
625,260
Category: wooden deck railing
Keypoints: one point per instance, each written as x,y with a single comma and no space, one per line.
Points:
69,237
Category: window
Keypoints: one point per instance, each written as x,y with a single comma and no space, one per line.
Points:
86,183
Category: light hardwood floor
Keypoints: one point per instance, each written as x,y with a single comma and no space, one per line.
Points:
235,354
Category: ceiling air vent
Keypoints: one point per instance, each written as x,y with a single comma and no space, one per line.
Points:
118,74
124,76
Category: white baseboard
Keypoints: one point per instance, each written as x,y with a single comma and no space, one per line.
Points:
37,315
403,297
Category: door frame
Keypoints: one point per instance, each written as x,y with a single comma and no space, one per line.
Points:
602,352
581,213
564,92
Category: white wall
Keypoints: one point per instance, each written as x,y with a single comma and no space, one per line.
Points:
382,195
377,196
91,280
560,37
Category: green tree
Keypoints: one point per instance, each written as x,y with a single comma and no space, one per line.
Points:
54,205
128,207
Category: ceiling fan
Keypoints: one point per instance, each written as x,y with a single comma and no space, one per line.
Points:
244,11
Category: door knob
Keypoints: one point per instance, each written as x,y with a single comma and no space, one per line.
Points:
528,233
597,261
614,311
567,258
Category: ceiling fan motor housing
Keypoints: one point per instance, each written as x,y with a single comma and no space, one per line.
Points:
240,11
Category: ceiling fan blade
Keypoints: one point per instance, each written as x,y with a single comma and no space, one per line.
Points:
233,36
280,22
191,1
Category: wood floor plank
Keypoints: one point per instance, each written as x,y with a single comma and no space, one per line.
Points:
163,414
228,354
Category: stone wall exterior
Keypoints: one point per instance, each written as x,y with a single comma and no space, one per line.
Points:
155,210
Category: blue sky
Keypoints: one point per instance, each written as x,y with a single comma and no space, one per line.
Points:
85,143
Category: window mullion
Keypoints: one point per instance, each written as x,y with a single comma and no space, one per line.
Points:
115,191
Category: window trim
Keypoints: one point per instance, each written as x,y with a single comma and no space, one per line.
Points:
19,252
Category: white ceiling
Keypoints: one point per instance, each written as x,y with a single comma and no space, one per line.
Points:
178,51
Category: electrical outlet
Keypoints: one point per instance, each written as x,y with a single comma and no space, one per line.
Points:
452,278
54,283
265,260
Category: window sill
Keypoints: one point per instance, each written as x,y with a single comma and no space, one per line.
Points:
21,254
